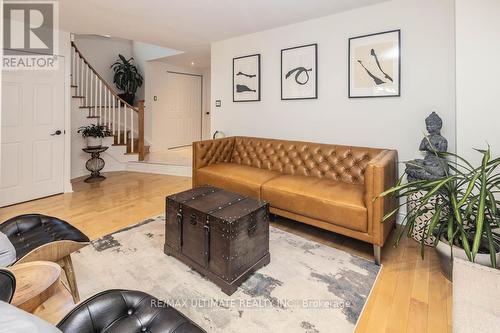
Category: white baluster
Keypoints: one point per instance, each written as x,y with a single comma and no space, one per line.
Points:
81,77
110,97
89,88
125,137
95,95
86,84
132,130
119,124
114,114
91,100
100,99
72,64
109,109
76,73
104,114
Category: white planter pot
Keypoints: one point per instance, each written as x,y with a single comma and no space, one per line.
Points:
446,262
422,222
94,142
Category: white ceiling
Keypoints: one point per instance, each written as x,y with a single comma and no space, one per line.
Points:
191,25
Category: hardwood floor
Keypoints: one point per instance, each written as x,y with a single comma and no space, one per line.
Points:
410,295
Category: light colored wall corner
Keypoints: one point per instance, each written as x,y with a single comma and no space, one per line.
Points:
478,91
65,51
142,53
427,80
400,217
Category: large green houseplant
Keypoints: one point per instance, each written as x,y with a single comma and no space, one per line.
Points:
466,210
126,78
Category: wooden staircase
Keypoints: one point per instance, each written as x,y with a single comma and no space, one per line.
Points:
100,101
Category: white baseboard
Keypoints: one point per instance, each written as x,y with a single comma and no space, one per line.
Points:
400,217
162,169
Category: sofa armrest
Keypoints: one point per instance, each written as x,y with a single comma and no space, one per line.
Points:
210,152
381,174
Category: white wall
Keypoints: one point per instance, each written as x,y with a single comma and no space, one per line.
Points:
65,51
427,76
207,105
478,73
102,52
142,53
154,120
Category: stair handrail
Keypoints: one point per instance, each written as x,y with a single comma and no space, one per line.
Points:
111,89
139,110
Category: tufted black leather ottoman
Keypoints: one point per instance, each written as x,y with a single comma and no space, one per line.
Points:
125,311
41,237
114,311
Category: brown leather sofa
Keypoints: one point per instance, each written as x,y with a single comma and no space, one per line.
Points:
329,186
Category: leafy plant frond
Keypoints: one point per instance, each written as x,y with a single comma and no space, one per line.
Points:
93,130
127,77
466,211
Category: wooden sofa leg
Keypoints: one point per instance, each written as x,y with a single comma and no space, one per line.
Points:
376,254
67,266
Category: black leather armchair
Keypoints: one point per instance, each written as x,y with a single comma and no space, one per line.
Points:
114,311
7,285
124,311
41,237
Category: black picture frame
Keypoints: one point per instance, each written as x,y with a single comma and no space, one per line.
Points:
258,92
349,60
315,45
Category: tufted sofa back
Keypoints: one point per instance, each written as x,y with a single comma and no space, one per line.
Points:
340,163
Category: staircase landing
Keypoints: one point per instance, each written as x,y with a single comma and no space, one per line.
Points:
175,162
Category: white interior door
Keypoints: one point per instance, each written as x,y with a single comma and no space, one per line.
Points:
183,109
31,151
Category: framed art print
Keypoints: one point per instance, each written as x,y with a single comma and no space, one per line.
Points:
299,72
375,65
246,78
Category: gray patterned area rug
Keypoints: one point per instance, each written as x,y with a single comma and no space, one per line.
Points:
308,287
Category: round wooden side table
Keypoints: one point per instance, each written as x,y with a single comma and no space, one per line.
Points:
36,282
95,164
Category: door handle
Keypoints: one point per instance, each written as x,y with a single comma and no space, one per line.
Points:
58,132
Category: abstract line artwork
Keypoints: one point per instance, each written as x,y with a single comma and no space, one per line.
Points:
375,64
299,72
246,78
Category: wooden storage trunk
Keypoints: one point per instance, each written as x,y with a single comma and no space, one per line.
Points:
222,235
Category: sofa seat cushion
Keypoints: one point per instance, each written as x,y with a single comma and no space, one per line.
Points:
335,202
242,179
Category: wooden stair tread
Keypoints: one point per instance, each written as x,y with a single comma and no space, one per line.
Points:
93,117
78,96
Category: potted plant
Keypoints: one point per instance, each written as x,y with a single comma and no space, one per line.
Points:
126,78
94,134
466,210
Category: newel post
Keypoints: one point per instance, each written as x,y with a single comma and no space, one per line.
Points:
141,130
